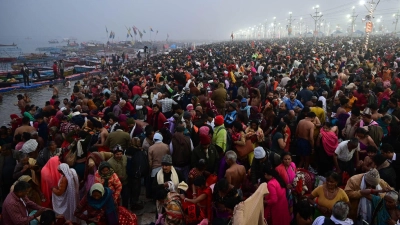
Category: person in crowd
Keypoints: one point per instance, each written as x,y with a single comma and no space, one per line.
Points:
386,171
368,163
358,187
391,156
275,203
280,138
203,198
365,140
98,207
236,173
45,154
340,211
327,142
66,195
34,194
18,204
305,139
106,176
207,151
225,198
181,148
156,153
7,166
343,156
119,164
324,197
162,178
91,165
256,135
219,137
118,137
386,210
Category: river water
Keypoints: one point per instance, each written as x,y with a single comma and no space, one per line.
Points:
38,97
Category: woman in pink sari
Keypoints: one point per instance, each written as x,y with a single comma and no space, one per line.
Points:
327,143
276,210
49,179
287,170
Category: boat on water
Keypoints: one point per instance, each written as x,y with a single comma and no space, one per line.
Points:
8,59
84,69
12,45
54,41
44,76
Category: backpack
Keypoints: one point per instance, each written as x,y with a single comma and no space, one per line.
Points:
228,140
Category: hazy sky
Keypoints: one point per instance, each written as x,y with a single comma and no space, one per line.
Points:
181,19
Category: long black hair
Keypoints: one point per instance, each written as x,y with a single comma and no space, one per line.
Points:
270,171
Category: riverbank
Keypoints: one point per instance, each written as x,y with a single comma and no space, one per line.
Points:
21,86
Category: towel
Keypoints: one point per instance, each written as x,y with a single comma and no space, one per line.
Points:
251,211
329,141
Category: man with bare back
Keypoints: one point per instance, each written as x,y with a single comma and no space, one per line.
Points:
236,173
305,139
102,137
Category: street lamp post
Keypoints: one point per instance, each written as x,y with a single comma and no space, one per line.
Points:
396,16
353,21
316,18
274,27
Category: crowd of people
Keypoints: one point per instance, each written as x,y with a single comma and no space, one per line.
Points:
202,129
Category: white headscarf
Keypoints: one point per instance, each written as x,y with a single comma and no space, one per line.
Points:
66,203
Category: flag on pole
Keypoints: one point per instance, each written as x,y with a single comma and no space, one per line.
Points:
111,34
167,35
106,30
144,31
127,35
151,29
232,35
157,32
140,34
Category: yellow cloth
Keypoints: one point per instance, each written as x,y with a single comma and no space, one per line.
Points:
32,162
251,211
323,201
232,77
174,177
350,104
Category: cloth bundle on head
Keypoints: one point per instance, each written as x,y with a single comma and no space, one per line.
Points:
158,138
189,107
29,146
205,139
259,153
166,160
97,187
204,130
219,120
372,177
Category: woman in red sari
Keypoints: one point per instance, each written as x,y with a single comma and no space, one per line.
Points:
204,197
